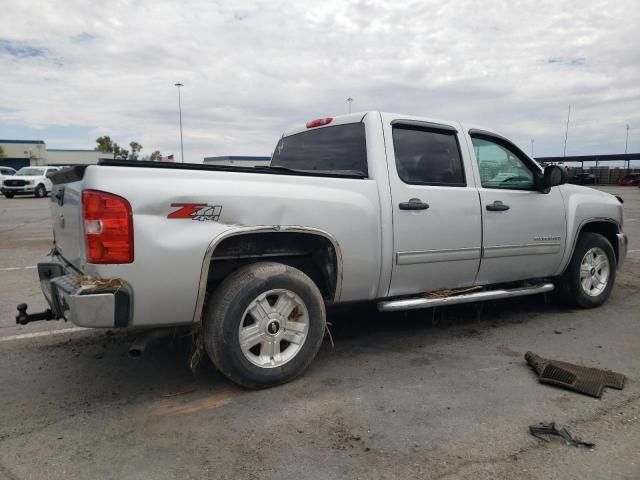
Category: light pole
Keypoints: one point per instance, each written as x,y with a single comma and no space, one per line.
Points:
626,142
349,100
180,112
566,133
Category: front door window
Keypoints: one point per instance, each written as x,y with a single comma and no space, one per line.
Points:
500,167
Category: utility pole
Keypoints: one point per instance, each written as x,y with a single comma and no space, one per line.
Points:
566,133
626,142
180,113
349,100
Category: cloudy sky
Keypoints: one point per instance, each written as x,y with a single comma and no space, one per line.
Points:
72,70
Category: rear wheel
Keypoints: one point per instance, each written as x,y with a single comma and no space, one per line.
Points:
588,280
264,324
41,191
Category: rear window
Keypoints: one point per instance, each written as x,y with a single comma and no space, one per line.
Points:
339,149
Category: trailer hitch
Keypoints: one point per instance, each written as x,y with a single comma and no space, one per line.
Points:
23,317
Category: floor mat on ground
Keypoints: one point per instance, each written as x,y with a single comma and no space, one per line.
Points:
590,381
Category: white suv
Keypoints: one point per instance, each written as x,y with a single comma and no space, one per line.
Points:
6,172
28,181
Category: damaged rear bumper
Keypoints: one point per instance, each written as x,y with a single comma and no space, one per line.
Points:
84,302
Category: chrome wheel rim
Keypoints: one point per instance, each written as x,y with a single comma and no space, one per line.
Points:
594,272
273,328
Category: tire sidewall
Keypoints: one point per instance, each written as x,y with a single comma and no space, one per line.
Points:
585,243
222,329
41,191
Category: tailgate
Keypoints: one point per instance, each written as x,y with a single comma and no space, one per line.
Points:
66,213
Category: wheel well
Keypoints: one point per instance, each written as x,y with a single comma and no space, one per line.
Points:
313,254
607,230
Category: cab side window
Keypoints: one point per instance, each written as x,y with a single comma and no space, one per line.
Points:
426,156
500,167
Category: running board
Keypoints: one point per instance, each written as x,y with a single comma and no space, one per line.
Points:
422,302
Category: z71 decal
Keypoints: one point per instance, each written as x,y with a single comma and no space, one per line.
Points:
196,211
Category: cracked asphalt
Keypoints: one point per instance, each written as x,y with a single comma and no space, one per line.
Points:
441,394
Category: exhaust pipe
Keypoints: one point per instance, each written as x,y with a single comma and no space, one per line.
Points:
140,344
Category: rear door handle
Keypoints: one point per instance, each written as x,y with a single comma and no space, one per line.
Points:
497,206
414,204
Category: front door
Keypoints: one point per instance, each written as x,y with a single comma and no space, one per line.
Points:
524,230
436,210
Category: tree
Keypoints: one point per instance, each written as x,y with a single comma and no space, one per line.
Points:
105,144
135,150
119,152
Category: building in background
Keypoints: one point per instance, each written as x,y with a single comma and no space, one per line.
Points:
23,153
238,161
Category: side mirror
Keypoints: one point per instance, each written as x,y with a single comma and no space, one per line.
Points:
554,175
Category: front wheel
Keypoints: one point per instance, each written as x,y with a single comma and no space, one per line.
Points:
41,191
588,280
264,324
8,195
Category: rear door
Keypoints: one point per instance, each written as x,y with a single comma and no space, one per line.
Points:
436,210
524,230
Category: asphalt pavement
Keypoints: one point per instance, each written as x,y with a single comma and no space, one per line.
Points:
442,394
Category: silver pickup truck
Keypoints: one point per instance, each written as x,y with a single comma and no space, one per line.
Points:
362,207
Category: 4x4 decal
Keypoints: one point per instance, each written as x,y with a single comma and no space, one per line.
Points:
196,211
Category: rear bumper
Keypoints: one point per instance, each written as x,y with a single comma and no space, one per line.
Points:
623,241
84,302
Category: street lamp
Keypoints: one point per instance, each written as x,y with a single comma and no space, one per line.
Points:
626,142
180,112
349,100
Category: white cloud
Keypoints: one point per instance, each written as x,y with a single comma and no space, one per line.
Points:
251,69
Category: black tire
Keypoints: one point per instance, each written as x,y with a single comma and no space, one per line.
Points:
227,309
41,191
569,284
8,195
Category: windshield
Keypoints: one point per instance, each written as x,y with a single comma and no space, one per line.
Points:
338,149
31,172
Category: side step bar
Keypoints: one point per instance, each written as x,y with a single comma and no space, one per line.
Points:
422,302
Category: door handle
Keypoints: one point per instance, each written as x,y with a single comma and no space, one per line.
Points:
497,206
414,204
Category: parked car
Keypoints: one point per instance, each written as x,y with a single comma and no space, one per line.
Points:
6,172
584,179
370,206
29,181
633,179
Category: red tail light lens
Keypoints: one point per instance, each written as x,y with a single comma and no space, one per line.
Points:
108,227
318,122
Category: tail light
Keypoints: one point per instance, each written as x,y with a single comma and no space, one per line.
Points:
108,227
319,122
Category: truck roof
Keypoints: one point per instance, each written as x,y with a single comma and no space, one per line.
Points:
359,116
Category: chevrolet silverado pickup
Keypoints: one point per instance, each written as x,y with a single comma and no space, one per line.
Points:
362,207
